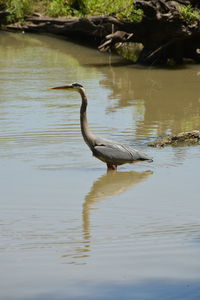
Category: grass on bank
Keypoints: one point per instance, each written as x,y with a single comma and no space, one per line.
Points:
63,8
188,13
123,10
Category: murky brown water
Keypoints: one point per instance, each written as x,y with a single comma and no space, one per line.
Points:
69,230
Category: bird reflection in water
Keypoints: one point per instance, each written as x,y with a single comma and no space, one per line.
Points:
110,184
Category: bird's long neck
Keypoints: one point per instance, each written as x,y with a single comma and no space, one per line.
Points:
87,135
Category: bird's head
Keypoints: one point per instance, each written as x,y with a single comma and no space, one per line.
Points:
73,86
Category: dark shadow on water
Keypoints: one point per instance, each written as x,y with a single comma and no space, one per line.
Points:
144,290
106,64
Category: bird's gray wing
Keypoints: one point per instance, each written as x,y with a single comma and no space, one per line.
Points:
137,154
116,153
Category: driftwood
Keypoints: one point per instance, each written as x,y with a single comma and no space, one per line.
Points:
183,138
168,35
165,35
117,37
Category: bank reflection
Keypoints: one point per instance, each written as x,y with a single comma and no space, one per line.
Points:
110,184
163,100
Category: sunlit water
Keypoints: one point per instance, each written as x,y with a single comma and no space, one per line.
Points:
69,230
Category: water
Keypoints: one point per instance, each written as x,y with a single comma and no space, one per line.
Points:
69,230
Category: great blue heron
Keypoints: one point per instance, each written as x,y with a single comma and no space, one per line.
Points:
111,153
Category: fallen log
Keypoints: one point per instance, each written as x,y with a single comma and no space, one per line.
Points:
93,28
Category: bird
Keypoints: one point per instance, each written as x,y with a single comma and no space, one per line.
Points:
112,153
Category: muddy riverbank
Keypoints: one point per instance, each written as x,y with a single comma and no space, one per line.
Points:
168,30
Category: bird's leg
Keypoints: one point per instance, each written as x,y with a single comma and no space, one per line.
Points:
111,167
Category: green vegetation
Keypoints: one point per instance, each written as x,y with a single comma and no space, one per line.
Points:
188,13
123,10
82,8
18,8
59,8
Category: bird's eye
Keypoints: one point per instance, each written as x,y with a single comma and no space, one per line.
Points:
77,84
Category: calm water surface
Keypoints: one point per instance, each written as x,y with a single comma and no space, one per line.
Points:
69,230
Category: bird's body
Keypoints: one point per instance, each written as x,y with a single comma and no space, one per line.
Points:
110,152
114,154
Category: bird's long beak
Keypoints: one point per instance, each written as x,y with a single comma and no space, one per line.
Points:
63,87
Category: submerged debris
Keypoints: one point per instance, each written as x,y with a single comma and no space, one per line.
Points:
183,138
